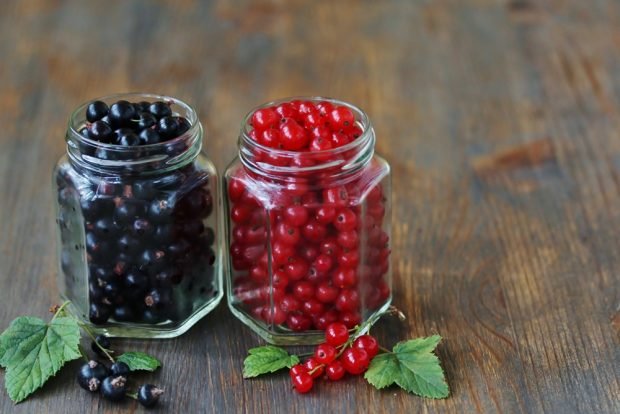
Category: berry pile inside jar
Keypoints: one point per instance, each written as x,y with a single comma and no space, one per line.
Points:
321,233
147,238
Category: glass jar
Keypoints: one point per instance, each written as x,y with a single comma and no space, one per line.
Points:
308,234
138,232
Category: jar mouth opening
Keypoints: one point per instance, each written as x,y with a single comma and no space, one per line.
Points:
361,120
77,120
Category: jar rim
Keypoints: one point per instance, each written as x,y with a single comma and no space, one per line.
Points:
347,158
77,113
360,116
122,159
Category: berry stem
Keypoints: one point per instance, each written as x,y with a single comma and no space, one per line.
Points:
61,309
133,395
385,350
86,329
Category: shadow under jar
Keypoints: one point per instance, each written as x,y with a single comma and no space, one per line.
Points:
308,229
138,235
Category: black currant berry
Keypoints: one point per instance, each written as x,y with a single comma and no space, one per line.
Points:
136,282
149,136
121,113
91,374
103,341
114,388
160,211
148,394
119,368
129,245
146,120
100,131
142,228
160,109
127,211
99,313
124,313
126,137
144,190
168,127
96,110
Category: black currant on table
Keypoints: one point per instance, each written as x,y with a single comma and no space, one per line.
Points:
148,394
114,388
119,368
91,375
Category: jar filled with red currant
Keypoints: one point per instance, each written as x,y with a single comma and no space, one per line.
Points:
308,220
137,217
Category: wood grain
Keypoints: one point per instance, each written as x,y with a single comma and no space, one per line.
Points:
515,263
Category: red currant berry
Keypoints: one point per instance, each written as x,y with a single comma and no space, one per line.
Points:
339,139
323,263
313,119
327,293
320,144
325,353
303,290
348,300
368,344
335,371
296,215
310,252
302,383
287,234
349,259
298,322
325,215
322,322
292,135
297,268
351,319
282,252
236,188
240,214
255,235
286,110
274,315
336,196
314,231
321,132
336,334
312,308
324,107
346,220
355,361
259,274
290,304
264,118
305,107
330,247
344,278
314,367
269,138
348,239
353,132
297,369
280,279
341,117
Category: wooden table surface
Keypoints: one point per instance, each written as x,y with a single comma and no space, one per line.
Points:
501,120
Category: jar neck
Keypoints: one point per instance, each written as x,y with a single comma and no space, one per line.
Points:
281,165
111,160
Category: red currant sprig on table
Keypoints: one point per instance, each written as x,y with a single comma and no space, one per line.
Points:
338,355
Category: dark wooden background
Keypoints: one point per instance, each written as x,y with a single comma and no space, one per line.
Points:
500,118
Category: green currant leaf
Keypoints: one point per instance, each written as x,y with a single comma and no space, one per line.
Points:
32,351
412,366
139,361
267,359
383,370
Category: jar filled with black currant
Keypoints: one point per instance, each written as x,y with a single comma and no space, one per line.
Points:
137,217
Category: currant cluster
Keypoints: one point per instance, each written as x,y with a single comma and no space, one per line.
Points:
336,357
132,124
311,231
112,382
